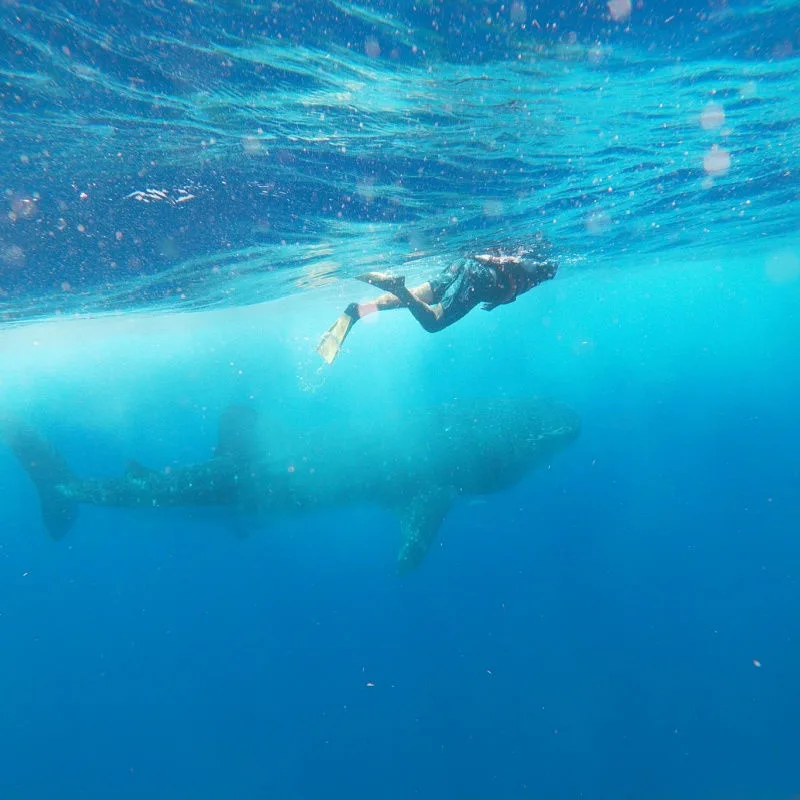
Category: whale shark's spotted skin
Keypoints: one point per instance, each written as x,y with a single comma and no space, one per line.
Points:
413,462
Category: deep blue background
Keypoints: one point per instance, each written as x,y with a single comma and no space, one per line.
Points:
590,633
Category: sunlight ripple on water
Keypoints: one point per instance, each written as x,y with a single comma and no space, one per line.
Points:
155,168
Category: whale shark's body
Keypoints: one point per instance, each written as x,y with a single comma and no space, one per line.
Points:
412,462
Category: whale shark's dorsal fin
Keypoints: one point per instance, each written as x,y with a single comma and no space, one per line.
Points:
238,427
420,520
237,434
133,469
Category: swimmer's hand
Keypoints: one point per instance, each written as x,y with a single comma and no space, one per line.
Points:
493,306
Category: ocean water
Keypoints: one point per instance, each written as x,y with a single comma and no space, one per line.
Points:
190,189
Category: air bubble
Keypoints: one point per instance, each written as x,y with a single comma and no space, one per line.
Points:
716,161
713,116
619,10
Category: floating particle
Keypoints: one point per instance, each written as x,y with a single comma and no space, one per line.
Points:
595,55
12,256
518,13
493,208
756,662
748,90
597,222
251,145
23,207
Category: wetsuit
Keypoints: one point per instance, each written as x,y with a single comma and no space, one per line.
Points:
467,282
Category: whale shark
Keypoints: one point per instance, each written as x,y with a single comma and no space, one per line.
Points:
413,462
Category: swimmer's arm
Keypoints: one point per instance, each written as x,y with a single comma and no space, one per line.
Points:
498,260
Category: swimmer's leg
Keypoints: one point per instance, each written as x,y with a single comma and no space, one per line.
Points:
333,339
384,280
431,317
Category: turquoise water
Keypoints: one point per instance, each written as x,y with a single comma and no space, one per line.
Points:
189,191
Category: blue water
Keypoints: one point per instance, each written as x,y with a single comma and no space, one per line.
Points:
189,190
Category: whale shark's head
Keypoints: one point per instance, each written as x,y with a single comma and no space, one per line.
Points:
535,429
531,431
529,419
549,421
497,441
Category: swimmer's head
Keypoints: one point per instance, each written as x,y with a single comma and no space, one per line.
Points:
538,268
530,265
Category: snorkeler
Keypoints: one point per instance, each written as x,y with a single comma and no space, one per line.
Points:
493,279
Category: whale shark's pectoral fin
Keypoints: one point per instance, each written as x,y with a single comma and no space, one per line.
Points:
420,520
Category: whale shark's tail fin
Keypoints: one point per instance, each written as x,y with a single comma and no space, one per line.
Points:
48,470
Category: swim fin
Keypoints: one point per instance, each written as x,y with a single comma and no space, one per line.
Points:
333,339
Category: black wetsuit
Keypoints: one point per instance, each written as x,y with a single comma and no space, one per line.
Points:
467,282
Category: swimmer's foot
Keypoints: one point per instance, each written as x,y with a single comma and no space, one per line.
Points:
384,280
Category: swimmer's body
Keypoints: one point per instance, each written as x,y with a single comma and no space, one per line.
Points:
492,279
